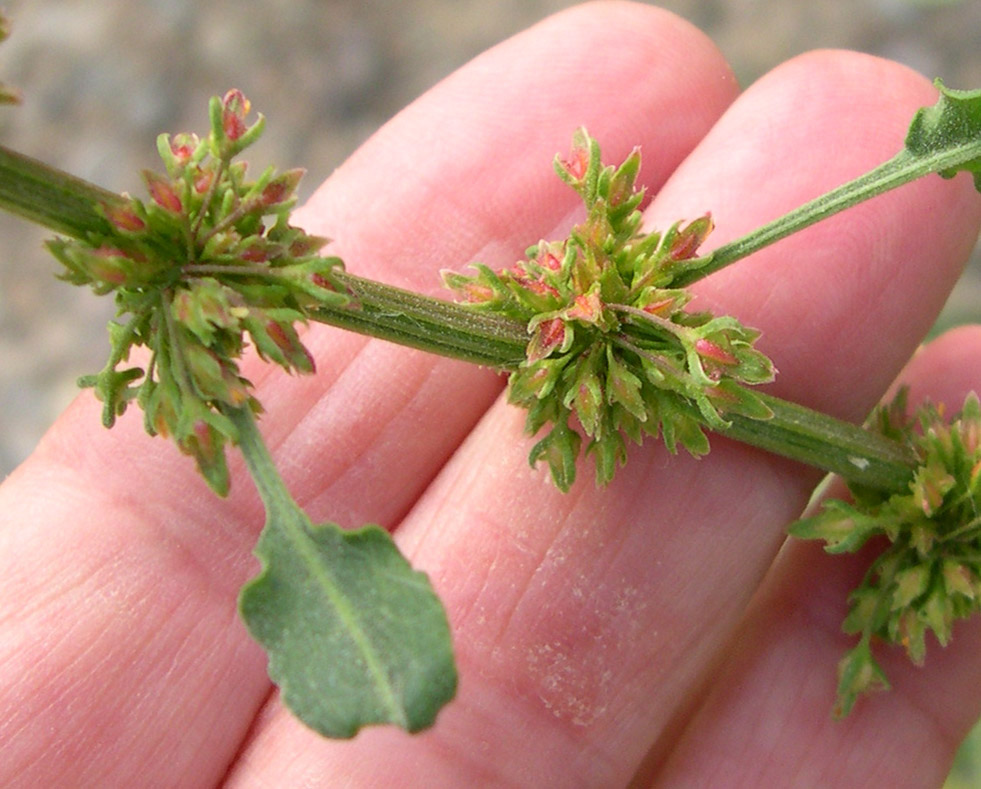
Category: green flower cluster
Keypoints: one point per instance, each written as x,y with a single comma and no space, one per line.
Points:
610,340
208,259
929,574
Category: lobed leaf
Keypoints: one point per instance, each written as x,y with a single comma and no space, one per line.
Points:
355,636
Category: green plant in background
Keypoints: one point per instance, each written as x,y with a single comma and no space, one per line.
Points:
594,333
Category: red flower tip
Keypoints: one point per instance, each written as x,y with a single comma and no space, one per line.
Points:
321,281
311,364
547,257
258,253
234,109
578,162
123,217
109,264
715,352
688,240
163,192
202,181
281,188
183,146
204,442
662,307
306,245
538,287
549,335
587,308
476,293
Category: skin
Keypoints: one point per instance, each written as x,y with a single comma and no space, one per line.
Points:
648,632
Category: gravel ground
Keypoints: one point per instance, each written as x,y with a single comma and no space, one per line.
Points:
102,79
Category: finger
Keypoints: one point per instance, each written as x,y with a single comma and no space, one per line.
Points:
767,717
582,623
119,573
832,296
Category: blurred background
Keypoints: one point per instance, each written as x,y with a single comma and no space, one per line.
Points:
101,80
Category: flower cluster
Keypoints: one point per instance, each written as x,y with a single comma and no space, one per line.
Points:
208,259
7,95
929,574
610,339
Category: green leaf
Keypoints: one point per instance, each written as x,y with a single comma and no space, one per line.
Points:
731,398
559,449
355,636
858,673
609,453
843,528
953,122
623,386
937,613
910,583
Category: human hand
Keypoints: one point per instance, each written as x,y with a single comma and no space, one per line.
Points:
648,628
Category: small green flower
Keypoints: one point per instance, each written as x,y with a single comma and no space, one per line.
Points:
611,342
209,260
929,573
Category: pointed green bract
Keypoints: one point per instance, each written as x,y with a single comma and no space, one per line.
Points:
858,674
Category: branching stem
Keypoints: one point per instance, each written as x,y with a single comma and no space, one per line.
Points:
69,205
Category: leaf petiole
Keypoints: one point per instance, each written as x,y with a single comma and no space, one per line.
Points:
944,139
355,636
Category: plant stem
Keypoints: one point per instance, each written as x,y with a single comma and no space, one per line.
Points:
808,436
897,171
430,324
69,205
279,503
51,197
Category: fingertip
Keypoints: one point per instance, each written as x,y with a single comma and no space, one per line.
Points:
846,111
947,368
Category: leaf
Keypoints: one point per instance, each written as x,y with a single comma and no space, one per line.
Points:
953,122
731,398
609,452
910,584
858,673
623,386
843,528
355,636
559,448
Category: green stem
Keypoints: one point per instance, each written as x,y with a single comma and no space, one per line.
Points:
429,324
51,197
808,436
279,503
901,169
69,205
